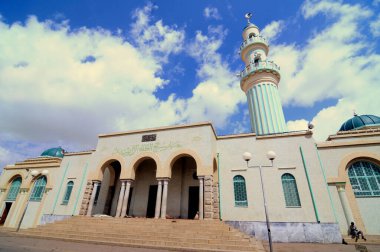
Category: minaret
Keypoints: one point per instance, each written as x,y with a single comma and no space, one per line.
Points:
259,80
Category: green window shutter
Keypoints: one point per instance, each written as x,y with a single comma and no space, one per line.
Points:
240,191
14,189
67,195
365,179
289,186
38,189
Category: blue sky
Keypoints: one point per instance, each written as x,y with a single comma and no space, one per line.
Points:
70,70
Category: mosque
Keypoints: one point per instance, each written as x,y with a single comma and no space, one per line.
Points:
309,191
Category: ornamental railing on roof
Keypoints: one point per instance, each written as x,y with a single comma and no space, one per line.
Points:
259,67
252,40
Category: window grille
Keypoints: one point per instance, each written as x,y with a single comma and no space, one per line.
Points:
38,189
67,195
289,186
365,179
14,189
240,191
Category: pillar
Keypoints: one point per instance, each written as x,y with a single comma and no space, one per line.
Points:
164,199
158,200
201,198
120,201
344,202
125,199
92,200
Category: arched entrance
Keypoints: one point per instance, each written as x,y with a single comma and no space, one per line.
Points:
107,195
144,190
13,191
183,192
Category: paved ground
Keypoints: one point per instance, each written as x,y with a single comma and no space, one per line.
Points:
11,243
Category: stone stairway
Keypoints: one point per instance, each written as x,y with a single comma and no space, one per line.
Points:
371,240
182,235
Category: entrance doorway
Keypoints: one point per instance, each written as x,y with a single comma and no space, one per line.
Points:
7,207
150,209
193,201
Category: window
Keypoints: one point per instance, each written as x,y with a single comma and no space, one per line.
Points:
240,191
38,189
14,189
365,178
251,35
69,188
289,186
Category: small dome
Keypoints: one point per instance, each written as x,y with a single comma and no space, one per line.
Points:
53,152
358,122
250,25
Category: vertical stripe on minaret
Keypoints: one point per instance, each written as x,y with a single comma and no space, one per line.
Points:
259,80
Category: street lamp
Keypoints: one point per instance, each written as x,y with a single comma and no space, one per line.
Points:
34,174
271,155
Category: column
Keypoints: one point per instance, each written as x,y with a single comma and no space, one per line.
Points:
200,198
344,202
93,194
120,201
125,199
164,199
158,200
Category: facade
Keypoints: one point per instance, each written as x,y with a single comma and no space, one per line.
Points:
313,190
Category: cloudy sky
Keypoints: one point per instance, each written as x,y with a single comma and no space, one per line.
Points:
70,70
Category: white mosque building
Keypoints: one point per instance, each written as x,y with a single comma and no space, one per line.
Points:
312,190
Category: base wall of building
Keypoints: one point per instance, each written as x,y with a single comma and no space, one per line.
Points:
50,218
291,231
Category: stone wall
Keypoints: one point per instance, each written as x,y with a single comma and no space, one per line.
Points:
208,197
215,201
291,231
86,198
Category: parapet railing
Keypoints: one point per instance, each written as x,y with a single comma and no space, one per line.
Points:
259,66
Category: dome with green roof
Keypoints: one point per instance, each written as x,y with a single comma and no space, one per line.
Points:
53,152
359,122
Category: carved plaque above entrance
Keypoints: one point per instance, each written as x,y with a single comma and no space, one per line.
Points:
149,138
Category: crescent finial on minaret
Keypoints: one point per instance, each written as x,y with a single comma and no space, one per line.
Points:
248,17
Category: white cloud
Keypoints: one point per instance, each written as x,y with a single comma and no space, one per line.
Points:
66,86
216,97
297,125
336,62
156,39
375,27
273,30
211,13
375,2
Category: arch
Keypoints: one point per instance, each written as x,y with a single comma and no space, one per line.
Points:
38,188
106,162
69,189
240,191
364,177
343,176
290,190
14,188
183,153
134,164
251,35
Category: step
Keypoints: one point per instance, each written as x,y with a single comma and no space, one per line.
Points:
204,240
152,244
188,235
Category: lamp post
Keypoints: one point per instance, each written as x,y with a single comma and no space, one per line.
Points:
271,155
34,173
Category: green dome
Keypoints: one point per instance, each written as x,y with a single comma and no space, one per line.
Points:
53,152
358,122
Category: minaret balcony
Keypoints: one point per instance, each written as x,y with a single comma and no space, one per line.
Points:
261,66
253,40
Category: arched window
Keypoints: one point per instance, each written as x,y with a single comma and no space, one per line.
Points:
14,189
289,186
240,191
365,178
38,189
69,188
